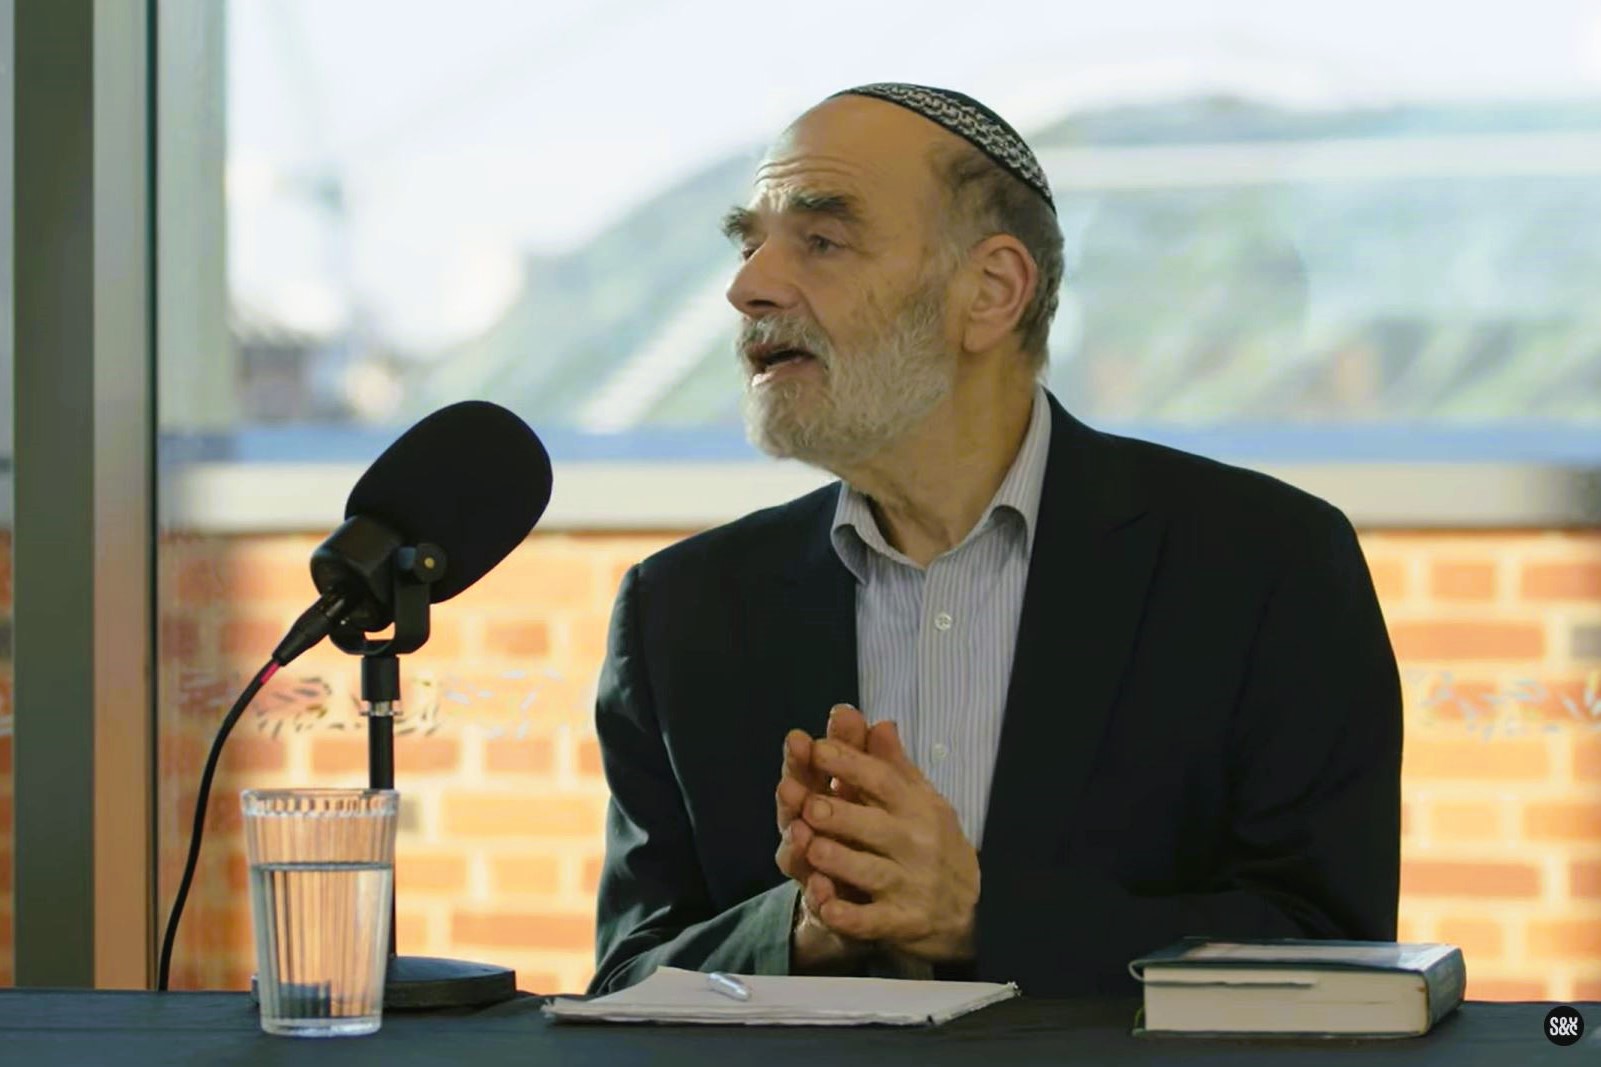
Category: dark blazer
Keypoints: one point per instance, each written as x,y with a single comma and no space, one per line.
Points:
1202,733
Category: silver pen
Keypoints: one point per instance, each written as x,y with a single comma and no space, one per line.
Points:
728,985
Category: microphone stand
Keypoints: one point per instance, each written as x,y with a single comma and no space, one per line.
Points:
412,982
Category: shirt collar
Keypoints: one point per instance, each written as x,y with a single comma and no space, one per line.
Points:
855,530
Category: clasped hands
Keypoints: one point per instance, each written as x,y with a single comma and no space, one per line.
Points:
879,854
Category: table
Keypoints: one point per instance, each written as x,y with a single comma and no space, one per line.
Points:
41,1027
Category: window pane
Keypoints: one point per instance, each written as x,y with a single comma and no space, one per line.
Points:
1363,232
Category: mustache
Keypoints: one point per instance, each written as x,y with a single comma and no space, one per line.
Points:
787,333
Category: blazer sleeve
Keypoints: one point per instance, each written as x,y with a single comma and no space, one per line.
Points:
1314,814
653,906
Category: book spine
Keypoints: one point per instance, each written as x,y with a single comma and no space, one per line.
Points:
1445,983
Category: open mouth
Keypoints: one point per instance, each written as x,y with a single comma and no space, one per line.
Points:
770,359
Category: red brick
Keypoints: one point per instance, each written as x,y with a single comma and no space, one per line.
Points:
5,933
1587,757
534,574
413,755
426,755
1464,822
1443,639
1584,880
5,812
411,931
519,639
238,867
430,870
244,752
445,642
1507,989
1562,581
222,813
1529,701
1407,929
1453,879
1479,939
1459,580
538,982
535,755
1565,940
589,763
1559,821
1475,759
265,570
589,634
5,866
194,582
180,639
523,816
252,639
338,755
5,754
556,932
1389,579
525,874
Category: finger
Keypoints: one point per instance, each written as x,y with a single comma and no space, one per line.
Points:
849,727
819,890
798,761
882,782
873,921
884,742
845,864
791,856
862,826
790,798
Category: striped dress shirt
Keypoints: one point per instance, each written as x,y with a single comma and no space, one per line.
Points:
934,646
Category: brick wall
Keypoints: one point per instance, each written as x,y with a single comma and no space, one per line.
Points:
1499,635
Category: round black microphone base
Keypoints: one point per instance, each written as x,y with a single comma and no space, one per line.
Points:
418,983
426,983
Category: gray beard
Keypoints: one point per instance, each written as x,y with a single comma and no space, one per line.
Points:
866,400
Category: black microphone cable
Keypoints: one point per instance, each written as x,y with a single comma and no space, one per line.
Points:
315,623
238,709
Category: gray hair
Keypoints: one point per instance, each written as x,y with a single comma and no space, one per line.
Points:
986,200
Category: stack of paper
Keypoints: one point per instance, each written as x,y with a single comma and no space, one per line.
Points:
671,995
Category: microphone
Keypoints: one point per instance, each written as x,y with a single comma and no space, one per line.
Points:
463,487
435,512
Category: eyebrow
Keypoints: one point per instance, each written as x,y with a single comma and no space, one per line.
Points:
739,223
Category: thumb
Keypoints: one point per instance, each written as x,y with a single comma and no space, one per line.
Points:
847,726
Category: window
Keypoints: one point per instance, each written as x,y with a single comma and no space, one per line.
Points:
1366,232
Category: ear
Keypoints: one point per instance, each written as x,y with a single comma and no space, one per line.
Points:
1003,279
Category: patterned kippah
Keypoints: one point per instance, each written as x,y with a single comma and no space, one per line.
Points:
969,120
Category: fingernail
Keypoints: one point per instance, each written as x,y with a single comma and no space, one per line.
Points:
821,809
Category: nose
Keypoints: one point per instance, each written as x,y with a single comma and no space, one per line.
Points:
762,285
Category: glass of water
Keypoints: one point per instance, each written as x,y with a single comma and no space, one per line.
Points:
322,875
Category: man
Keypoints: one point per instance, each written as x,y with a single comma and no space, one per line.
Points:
1109,694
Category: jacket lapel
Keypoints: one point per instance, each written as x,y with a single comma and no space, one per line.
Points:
814,636
1095,548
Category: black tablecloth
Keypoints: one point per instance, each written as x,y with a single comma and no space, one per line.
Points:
73,1027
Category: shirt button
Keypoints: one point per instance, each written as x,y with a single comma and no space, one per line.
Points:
942,621
940,752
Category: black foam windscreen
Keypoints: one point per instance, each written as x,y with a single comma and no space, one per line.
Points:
471,478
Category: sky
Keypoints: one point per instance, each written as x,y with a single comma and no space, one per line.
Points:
469,135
